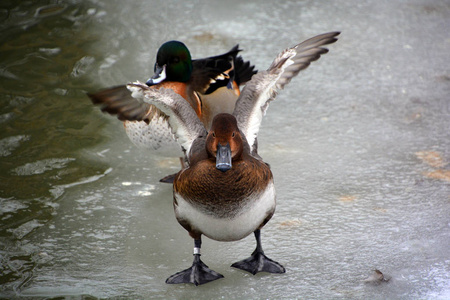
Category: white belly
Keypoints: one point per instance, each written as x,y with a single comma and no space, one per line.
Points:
247,220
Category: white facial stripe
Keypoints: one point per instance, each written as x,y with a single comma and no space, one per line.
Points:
161,76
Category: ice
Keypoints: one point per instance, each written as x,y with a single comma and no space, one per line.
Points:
359,145
42,166
82,66
7,145
23,230
9,205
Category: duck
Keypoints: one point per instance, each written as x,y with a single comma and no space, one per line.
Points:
226,191
213,87
210,85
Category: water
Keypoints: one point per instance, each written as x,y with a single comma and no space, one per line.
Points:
361,164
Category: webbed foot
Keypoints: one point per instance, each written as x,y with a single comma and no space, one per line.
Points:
258,262
198,274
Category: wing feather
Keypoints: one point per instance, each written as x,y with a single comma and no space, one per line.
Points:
182,119
118,101
262,88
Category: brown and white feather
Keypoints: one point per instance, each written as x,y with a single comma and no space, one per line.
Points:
182,119
263,87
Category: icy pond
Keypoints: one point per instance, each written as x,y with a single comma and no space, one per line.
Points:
359,145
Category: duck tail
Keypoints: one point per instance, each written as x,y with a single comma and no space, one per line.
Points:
243,70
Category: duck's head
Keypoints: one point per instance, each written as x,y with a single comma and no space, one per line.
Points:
224,141
173,63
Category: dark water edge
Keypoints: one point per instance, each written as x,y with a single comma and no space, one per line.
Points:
43,62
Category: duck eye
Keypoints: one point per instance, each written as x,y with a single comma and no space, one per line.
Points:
175,60
214,135
233,134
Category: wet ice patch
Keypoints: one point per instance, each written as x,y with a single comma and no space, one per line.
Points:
60,92
82,66
89,204
24,229
128,183
146,191
9,144
90,199
9,205
102,153
7,74
50,10
100,235
6,117
50,51
42,166
58,190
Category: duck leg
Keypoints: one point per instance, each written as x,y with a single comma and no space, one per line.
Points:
258,262
199,273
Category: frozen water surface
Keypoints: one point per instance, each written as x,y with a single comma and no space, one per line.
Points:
359,145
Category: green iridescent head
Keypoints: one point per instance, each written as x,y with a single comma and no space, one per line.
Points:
173,63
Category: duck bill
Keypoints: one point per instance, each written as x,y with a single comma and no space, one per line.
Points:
160,75
223,158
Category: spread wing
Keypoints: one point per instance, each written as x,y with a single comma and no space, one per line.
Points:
118,101
183,120
262,88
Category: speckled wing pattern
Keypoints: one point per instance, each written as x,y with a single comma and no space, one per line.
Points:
155,136
182,119
262,88
145,125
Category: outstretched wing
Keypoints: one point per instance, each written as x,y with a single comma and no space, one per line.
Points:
262,88
118,101
183,120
